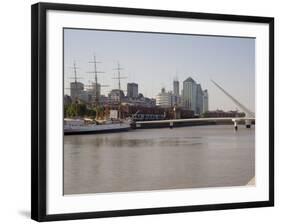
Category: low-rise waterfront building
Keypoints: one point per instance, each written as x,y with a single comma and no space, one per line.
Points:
67,100
221,113
116,95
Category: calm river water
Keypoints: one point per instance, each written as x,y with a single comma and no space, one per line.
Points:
154,159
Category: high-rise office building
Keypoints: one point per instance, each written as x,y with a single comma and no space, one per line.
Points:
199,100
132,90
189,94
76,88
193,96
94,89
205,101
176,93
176,88
164,99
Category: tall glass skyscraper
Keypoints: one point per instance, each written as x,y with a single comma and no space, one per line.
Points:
189,94
192,96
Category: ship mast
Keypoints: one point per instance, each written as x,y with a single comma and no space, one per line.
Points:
95,72
75,72
76,95
119,77
75,79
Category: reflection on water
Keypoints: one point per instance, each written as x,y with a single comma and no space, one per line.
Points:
154,159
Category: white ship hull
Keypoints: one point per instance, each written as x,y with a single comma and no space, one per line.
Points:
93,128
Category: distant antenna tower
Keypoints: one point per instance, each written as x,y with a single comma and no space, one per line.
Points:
176,78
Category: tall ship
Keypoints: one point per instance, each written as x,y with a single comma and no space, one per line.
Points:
86,126
101,123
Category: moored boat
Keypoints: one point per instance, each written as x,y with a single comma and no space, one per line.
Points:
102,123
81,126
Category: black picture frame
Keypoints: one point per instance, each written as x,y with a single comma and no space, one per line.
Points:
38,109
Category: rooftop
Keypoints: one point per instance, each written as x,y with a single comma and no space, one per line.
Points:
189,79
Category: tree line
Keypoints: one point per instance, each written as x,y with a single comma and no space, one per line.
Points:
79,110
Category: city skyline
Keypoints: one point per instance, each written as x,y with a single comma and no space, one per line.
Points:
147,67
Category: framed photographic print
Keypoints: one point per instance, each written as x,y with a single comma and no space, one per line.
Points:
140,111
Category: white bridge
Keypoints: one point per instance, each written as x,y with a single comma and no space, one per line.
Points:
171,122
248,119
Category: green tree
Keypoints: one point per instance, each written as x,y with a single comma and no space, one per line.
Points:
70,110
81,110
91,113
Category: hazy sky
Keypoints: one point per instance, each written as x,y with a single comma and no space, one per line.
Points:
153,60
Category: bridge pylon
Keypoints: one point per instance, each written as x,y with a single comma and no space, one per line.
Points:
248,113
